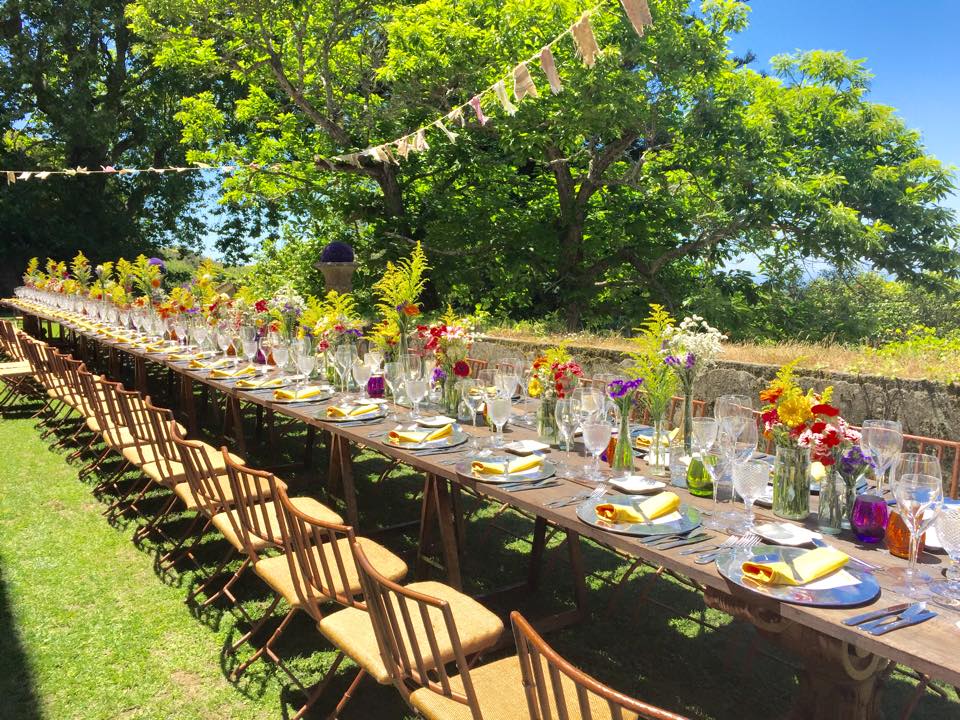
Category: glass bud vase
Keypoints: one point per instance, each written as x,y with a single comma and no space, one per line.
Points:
450,397
686,426
547,421
791,483
832,510
622,461
659,446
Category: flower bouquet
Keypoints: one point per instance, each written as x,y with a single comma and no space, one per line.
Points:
398,293
450,340
555,375
805,427
624,394
659,380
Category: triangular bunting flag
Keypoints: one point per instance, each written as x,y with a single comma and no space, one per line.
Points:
456,116
388,154
403,147
523,83
11,177
475,104
420,141
500,90
43,175
639,14
550,70
451,136
585,40
24,175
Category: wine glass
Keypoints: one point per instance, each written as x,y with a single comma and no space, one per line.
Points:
918,489
416,390
739,408
393,376
745,444
704,433
590,402
883,440
717,466
500,410
361,375
373,358
567,414
750,480
342,360
248,341
412,366
305,360
596,438
472,395
947,592
281,354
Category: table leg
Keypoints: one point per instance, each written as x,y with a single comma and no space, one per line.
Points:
837,681
189,404
140,374
235,416
438,506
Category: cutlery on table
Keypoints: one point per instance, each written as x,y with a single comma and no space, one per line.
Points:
692,540
531,486
915,619
875,614
746,541
576,499
915,613
654,539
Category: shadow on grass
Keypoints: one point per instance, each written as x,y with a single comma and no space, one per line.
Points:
19,699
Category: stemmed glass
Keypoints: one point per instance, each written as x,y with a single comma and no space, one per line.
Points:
567,414
393,376
918,490
361,375
704,434
342,360
750,480
883,440
248,341
596,438
412,366
500,410
472,394
590,402
947,592
305,360
738,408
416,390
281,353
223,340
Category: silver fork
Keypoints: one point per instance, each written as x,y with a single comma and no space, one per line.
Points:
580,497
732,543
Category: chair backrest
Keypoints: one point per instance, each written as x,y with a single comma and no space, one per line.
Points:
253,492
416,633
476,365
557,690
201,476
319,553
10,341
92,393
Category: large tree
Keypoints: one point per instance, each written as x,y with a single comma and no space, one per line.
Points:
75,95
666,157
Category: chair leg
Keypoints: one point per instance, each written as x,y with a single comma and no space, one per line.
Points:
153,524
176,553
242,667
94,464
75,455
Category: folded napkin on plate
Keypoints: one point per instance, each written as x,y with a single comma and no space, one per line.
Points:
659,505
645,441
248,370
402,436
156,348
181,356
347,412
482,468
253,384
810,566
297,394
200,365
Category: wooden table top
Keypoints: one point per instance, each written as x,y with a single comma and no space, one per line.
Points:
930,647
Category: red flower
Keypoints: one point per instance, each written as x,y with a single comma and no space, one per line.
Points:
410,310
461,368
260,306
824,409
818,427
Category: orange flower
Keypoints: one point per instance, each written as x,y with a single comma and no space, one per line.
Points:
155,282
411,310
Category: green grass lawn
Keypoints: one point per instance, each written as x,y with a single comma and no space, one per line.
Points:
90,629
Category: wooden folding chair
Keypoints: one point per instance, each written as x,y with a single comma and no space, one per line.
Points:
418,631
254,527
316,569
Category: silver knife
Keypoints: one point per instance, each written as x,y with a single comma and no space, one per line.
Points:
875,614
910,612
915,619
692,540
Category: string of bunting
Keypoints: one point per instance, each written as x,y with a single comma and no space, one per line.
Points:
587,49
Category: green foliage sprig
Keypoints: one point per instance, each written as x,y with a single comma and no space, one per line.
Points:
659,381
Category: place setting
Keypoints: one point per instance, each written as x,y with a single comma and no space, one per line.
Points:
509,472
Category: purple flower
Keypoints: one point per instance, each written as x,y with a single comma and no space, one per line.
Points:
158,262
854,461
439,375
354,332
688,363
672,360
619,388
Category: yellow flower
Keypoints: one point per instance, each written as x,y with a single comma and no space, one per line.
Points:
534,388
794,408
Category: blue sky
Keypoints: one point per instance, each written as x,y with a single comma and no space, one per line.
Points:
912,49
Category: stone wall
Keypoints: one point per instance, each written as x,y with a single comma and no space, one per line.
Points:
924,407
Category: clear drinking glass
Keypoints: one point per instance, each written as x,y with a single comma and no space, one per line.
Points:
305,360
281,353
704,434
567,414
248,341
590,401
361,375
416,390
918,490
947,592
750,480
500,410
596,437
412,366
342,360
883,440
472,395
737,408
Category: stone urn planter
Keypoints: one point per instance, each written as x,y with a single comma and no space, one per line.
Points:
337,265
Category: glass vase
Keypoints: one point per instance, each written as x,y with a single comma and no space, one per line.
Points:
659,446
686,425
791,483
832,510
622,460
547,421
450,395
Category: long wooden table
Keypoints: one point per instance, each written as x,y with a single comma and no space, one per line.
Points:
842,667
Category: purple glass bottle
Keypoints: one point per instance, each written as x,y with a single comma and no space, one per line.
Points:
375,386
869,518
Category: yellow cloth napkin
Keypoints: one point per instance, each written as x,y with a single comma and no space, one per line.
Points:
482,468
810,566
180,356
200,365
645,441
253,384
659,505
294,395
248,370
361,410
399,436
